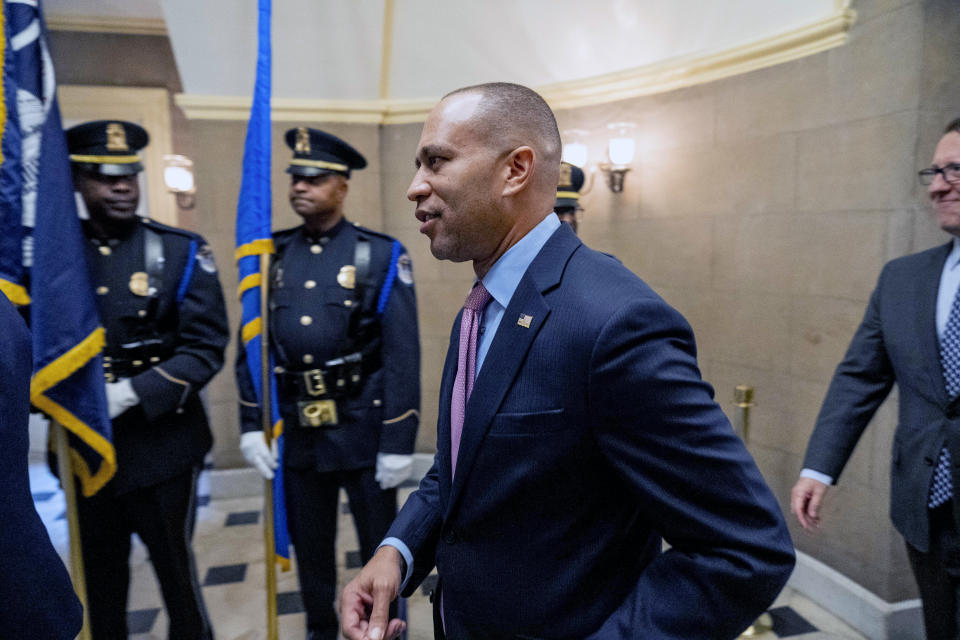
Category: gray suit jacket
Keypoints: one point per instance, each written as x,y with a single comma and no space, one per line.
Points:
896,343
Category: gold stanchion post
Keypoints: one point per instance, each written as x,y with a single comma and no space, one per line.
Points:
73,523
265,416
743,396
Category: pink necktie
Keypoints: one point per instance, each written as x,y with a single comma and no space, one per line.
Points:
466,365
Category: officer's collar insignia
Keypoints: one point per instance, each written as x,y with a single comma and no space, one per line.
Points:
139,283
116,137
524,321
347,278
302,146
565,175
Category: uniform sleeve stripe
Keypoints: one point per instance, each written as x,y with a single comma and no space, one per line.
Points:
171,378
255,248
395,252
403,416
251,330
249,282
187,272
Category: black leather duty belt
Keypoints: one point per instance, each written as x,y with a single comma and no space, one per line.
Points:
312,394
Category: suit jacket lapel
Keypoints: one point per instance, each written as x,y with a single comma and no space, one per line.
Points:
443,417
927,331
509,349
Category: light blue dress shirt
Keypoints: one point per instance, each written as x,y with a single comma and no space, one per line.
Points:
949,282
501,281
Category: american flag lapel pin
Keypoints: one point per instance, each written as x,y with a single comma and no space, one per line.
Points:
524,320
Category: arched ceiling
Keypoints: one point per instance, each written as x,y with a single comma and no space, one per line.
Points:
410,50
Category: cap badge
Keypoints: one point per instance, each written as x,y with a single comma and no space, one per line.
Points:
347,277
116,137
565,176
303,141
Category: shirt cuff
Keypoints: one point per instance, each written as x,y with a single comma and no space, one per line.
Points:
404,550
816,475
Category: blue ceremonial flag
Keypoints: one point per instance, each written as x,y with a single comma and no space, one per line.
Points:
42,261
254,239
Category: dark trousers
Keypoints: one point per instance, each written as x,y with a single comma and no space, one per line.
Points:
163,516
938,575
312,518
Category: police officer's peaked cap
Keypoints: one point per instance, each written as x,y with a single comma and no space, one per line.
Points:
317,152
107,146
569,185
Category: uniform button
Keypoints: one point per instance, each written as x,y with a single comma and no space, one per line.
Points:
307,358
102,291
377,402
306,320
105,250
348,303
309,284
451,537
137,363
279,369
154,359
142,313
315,248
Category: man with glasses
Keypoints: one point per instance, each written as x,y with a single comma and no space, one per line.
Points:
910,336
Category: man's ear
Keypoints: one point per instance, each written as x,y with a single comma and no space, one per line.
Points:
518,170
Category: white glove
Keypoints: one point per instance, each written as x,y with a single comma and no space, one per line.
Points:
120,397
392,469
257,454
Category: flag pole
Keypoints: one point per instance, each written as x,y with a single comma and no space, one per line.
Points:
73,523
266,414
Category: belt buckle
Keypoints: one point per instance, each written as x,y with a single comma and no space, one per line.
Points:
318,413
313,382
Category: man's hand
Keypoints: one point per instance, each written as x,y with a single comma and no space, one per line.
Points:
805,501
365,602
257,454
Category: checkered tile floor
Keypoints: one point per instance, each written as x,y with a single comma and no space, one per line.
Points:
229,549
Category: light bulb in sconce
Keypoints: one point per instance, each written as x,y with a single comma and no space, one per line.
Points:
178,176
621,148
574,149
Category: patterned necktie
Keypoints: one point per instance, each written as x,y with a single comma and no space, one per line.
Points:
466,365
941,489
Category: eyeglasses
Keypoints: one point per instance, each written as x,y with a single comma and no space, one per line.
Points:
950,172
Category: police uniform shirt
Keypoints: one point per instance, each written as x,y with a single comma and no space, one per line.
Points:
314,299
181,318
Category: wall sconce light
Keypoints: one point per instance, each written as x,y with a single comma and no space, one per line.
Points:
620,150
178,176
575,150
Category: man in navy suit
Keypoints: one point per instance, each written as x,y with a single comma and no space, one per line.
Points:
38,599
588,436
911,337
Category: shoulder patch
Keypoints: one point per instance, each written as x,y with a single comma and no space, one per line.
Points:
405,269
205,259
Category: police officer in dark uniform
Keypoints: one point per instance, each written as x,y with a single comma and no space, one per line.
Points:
568,194
343,333
166,329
